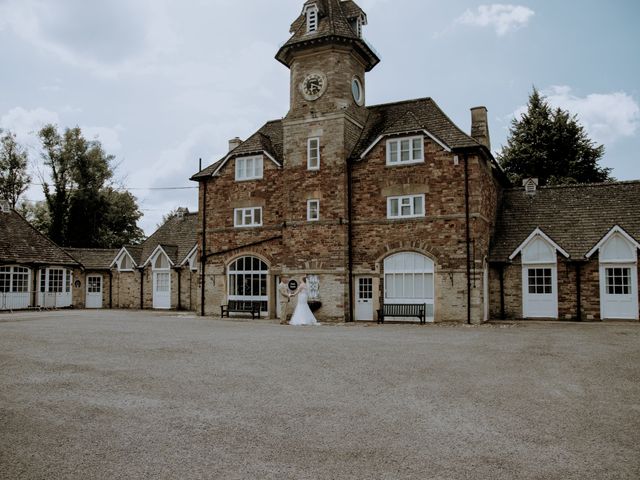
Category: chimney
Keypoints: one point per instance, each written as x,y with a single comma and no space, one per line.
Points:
480,126
234,143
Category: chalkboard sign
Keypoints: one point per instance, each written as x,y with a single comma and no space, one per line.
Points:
293,285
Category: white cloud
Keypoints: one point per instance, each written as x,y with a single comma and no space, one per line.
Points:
109,137
607,117
26,123
503,18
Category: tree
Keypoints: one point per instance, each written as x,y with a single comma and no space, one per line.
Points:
85,211
552,146
14,179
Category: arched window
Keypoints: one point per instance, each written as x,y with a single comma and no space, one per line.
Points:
247,281
161,263
409,278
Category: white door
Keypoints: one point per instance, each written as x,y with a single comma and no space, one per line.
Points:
540,291
619,292
364,299
162,290
94,291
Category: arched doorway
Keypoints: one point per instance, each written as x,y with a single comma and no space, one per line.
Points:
247,281
161,282
409,278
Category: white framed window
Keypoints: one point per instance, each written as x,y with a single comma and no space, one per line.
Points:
248,217
125,264
402,151
409,206
313,210
312,19
249,168
313,154
14,279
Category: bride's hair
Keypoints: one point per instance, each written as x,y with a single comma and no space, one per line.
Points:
304,279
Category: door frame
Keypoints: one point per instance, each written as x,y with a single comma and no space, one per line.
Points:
356,299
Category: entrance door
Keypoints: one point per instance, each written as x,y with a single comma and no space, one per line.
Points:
94,291
619,292
162,290
364,299
540,295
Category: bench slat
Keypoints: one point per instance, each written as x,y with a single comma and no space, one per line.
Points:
403,310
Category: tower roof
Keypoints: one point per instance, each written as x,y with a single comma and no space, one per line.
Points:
337,23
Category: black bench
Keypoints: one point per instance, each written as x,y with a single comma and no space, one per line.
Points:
237,306
406,310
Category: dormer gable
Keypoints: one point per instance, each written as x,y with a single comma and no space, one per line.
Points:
538,248
617,246
124,262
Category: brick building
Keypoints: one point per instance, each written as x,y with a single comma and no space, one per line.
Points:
375,204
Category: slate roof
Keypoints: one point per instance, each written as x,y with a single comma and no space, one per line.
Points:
334,24
576,217
387,119
177,237
268,139
22,243
93,258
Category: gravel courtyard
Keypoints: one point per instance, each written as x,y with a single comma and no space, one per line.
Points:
141,395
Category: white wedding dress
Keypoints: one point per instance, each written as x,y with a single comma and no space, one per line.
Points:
303,315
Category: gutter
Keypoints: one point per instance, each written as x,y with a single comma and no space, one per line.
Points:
203,257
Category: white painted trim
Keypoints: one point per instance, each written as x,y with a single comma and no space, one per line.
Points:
231,155
116,261
192,252
251,225
256,159
400,198
537,232
526,313
603,240
634,289
154,255
309,202
408,133
309,149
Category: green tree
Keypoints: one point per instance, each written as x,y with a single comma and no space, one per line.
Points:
85,211
14,179
550,144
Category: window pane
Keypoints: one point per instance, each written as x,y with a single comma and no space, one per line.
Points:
393,152
405,150
418,207
257,216
238,220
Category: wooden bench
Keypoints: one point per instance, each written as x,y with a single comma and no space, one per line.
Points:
405,310
238,306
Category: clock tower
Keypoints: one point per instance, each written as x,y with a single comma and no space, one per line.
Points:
328,59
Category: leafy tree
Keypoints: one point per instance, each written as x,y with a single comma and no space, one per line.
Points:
14,179
85,210
37,214
552,146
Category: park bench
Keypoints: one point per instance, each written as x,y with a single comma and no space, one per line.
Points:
403,310
237,306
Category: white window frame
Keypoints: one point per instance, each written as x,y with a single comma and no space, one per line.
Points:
313,153
247,217
310,204
257,168
312,19
398,145
410,199
125,258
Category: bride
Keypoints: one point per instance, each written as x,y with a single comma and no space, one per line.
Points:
302,315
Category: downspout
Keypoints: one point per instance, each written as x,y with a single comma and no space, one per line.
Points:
350,239
179,288
110,289
578,291
468,234
141,288
503,316
203,256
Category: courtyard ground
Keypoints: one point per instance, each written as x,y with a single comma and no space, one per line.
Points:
141,395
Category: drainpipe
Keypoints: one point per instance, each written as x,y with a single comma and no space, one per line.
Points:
578,291
503,316
203,256
110,289
179,289
468,233
141,288
350,239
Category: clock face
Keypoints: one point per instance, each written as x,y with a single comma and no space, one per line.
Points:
314,85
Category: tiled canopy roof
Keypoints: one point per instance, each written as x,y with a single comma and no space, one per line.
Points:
576,217
23,244
177,237
388,119
335,19
93,258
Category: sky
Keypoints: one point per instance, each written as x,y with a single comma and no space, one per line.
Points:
162,83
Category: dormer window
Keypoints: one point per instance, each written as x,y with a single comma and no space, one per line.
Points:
249,168
402,151
125,264
312,19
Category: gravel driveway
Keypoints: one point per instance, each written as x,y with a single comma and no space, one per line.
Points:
141,395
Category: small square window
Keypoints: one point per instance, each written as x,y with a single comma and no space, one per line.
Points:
405,150
248,217
410,206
